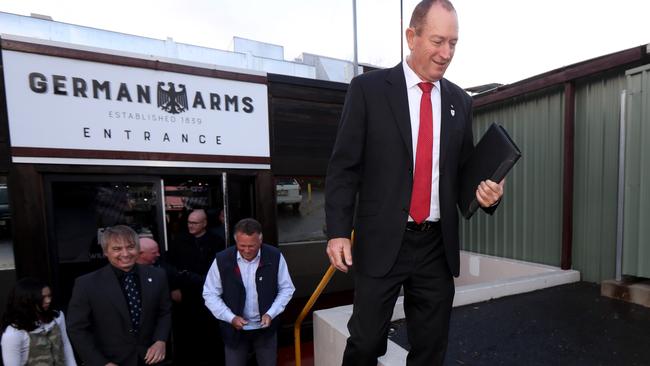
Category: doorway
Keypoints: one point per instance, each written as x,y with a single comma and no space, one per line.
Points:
79,207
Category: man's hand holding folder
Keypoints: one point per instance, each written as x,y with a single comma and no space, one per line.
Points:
494,156
488,193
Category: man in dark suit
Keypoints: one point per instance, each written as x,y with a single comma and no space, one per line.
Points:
121,313
403,137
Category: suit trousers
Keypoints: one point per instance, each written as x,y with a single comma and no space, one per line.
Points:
265,346
195,332
421,268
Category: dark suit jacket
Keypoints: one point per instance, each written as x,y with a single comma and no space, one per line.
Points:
373,156
192,258
98,317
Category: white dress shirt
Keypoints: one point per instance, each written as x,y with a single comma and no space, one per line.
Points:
414,96
212,290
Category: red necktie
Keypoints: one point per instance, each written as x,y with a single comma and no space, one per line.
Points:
421,194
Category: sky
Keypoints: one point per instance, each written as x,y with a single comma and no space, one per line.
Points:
500,41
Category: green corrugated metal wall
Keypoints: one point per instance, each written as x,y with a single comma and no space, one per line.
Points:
636,233
528,223
596,138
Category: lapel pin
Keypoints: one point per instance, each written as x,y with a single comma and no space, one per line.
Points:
260,278
453,111
149,279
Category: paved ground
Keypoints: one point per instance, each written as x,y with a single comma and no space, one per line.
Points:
564,325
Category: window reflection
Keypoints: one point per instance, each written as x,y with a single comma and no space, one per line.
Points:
300,209
184,195
83,209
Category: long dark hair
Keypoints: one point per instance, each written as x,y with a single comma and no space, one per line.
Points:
24,306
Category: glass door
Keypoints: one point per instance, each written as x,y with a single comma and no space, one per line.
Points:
80,207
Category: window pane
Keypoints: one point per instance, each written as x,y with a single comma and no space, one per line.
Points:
182,195
300,209
80,212
83,209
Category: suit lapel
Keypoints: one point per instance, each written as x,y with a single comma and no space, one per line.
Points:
399,104
447,116
115,294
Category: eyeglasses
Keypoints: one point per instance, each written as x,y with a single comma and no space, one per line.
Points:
195,222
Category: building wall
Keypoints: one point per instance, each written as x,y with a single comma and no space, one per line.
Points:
260,49
245,53
636,232
304,118
528,223
597,108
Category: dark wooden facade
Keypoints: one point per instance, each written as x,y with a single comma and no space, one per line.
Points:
304,117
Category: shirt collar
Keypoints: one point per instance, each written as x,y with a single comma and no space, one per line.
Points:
412,79
120,274
257,257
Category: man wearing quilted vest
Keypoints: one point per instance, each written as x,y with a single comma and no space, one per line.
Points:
246,288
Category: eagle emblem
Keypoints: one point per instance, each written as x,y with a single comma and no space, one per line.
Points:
172,100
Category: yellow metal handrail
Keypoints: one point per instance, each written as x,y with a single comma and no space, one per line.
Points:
310,303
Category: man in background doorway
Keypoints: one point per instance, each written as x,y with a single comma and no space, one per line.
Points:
220,228
196,338
149,251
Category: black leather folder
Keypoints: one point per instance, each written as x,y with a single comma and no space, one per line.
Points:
492,158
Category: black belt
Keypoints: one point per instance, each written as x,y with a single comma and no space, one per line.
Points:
423,226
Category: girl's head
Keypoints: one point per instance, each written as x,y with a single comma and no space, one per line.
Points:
29,302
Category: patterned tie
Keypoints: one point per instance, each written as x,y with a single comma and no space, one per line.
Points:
132,298
421,194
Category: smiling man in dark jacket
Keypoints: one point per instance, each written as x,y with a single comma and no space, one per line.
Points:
121,313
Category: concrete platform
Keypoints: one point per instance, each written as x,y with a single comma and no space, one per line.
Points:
633,290
482,278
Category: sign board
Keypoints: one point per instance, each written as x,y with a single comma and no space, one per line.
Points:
73,111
